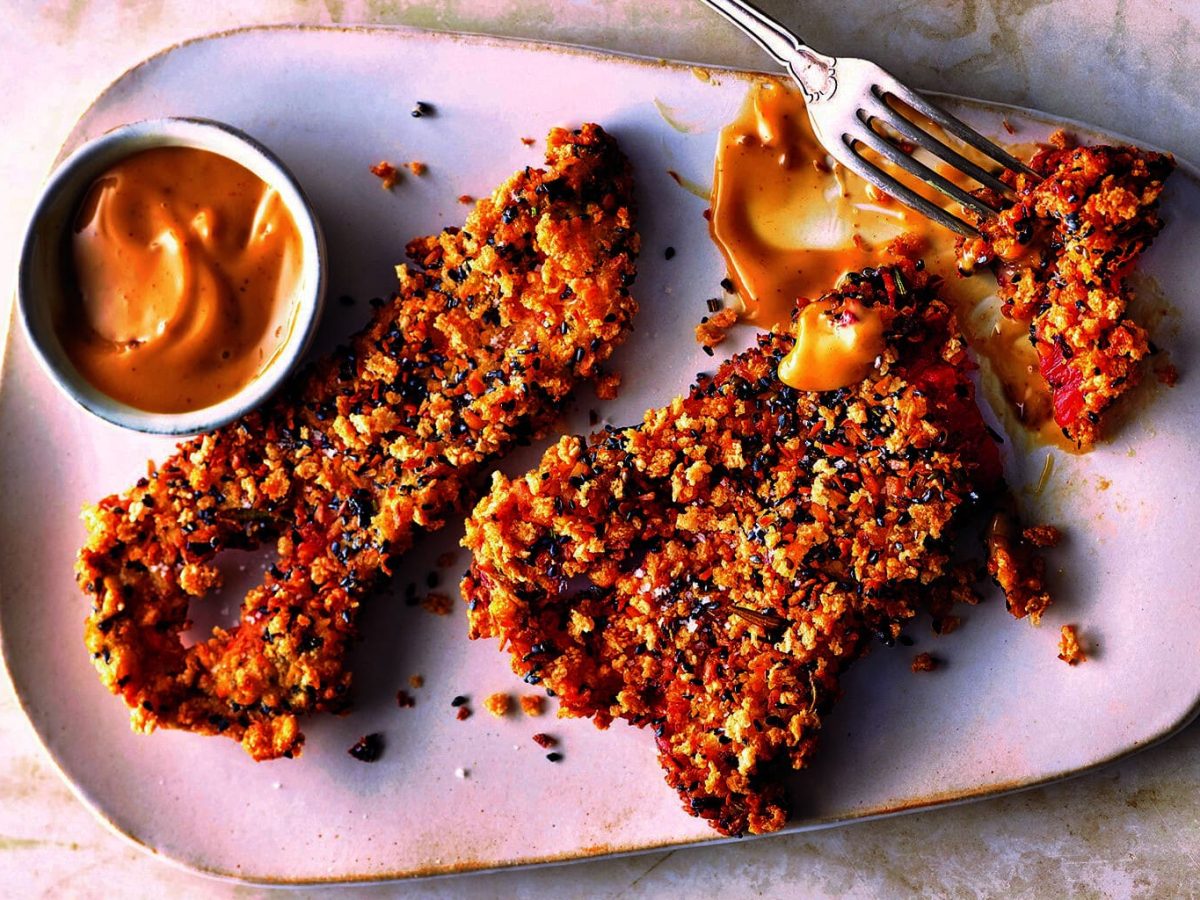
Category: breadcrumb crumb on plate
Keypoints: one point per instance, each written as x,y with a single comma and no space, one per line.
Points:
498,704
924,662
1070,650
533,704
713,329
387,174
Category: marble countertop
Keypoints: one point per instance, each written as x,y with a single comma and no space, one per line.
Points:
1129,829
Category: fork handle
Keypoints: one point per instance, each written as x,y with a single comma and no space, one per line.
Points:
815,72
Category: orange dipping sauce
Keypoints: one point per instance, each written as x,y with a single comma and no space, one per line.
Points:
785,220
186,264
833,351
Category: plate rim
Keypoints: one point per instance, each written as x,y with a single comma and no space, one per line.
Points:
407,32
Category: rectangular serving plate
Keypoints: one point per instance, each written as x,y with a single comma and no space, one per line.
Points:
1003,713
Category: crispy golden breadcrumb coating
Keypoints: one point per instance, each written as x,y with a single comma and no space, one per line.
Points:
381,441
713,329
1065,248
1015,566
711,572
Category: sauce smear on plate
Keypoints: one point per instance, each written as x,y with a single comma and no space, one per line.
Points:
790,221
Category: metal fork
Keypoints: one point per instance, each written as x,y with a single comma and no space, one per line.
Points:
846,98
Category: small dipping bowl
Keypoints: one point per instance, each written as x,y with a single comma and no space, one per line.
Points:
45,277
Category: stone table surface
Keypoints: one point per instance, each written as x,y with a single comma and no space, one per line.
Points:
1131,66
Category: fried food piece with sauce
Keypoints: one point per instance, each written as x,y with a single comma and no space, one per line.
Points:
1064,250
711,572
380,442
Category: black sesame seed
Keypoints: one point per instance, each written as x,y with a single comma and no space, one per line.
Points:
368,748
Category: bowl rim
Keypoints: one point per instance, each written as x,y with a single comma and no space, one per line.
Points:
66,185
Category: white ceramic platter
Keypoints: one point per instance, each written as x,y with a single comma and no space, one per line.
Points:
1004,713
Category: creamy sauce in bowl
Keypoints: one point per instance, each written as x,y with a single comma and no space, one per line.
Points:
185,266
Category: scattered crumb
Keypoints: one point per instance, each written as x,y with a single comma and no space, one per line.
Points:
437,603
498,704
416,681
1008,126
1069,650
858,240
1042,535
669,253
466,199
460,700
714,304
368,748
1168,375
446,560
461,773
533,704
464,712
417,168
727,285
421,109
404,699
545,741
924,662
344,300
554,757
528,141
712,329
1103,483
386,173
276,785
608,385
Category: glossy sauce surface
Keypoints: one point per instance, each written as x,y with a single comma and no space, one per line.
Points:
185,265
790,222
832,350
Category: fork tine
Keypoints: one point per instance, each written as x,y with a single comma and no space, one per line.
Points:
898,157
957,127
910,132
871,173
